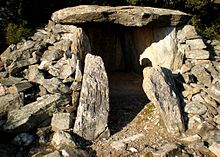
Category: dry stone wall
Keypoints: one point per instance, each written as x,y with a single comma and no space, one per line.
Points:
54,75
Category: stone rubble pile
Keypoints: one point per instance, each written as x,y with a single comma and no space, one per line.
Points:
198,83
41,80
54,94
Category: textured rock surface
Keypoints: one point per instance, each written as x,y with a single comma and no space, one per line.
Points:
9,102
127,15
92,115
32,115
62,139
159,86
163,51
61,121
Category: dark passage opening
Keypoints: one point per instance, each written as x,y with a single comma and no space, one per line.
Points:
120,47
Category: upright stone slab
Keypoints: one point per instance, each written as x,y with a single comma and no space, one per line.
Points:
92,115
159,86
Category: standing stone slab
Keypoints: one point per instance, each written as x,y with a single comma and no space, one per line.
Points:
92,115
158,85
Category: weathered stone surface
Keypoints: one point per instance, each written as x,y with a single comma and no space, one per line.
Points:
52,55
214,148
19,87
158,84
164,51
10,102
197,54
214,92
120,144
10,80
217,119
201,74
127,15
34,75
195,108
17,66
61,121
32,115
167,150
63,139
64,68
53,154
194,121
196,44
3,90
190,139
54,85
80,44
78,74
187,32
92,115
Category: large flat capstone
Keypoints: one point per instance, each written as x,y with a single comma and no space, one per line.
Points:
124,15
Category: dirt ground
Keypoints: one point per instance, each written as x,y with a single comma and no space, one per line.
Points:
134,123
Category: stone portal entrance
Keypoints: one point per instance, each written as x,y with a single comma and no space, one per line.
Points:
120,48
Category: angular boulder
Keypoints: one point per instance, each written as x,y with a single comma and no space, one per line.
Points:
92,115
32,115
10,102
158,84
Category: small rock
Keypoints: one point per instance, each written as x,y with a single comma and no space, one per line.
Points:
10,102
197,54
63,45
43,91
169,149
133,150
78,75
62,139
121,143
214,92
195,108
194,121
19,87
34,75
185,68
210,101
53,154
201,74
61,121
204,128
51,55
191,139
187,32
54,85
3,90
23,139
44,65
196,44
217,119
215,148
66,72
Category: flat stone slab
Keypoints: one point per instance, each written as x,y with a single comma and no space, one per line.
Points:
124,15
32,115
